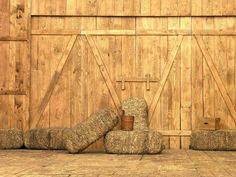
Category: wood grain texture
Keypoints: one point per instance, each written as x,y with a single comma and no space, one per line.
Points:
165,75
136,8
104,71
133,38
217,78
54,80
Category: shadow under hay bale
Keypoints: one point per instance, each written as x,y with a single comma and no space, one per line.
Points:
11,139
45,138
222,140
89,131
138,108
133,142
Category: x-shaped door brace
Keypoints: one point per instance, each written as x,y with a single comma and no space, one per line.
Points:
111,88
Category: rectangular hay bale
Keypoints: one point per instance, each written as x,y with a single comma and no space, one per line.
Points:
11,138
45,138
133,142
221,140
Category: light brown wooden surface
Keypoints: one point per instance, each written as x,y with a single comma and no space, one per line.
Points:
136,7
178,163
127,39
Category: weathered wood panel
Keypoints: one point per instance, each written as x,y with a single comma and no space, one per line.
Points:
80,51
14,64
189,93
135,7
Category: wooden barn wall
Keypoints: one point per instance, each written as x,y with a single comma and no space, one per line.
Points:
61,62
14,64
135,7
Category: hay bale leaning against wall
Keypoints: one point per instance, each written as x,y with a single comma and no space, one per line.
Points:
89,131
11,139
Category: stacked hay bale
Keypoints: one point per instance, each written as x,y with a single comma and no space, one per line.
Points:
11,139
138,108
89,131
213,140
138,141
45,138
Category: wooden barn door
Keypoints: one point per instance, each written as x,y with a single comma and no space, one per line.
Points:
83,64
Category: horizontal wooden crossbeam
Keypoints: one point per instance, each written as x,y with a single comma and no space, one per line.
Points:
175,132
13,92
127,32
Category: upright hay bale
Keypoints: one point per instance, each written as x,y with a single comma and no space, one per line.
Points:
11,139
133,142
89,131
213,140
138,108
45,138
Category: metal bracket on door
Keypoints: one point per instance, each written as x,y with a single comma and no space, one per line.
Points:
146,79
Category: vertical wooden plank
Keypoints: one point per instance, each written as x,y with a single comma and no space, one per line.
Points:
87,23
5,104
12,120
186,82
119,8
71,7
207,7
208,81
184,7
18,18
174,86
4,112
128,57
60,7
217,7
155,7
220,62
4,18
196,7
164,97
230,75
27,67
75,67
167,9
75,83
35,7
43,72
145,7
60,99
4,49
228,7
197,77
223,56
20,58
156,71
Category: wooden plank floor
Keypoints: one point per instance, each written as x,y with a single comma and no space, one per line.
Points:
29,163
